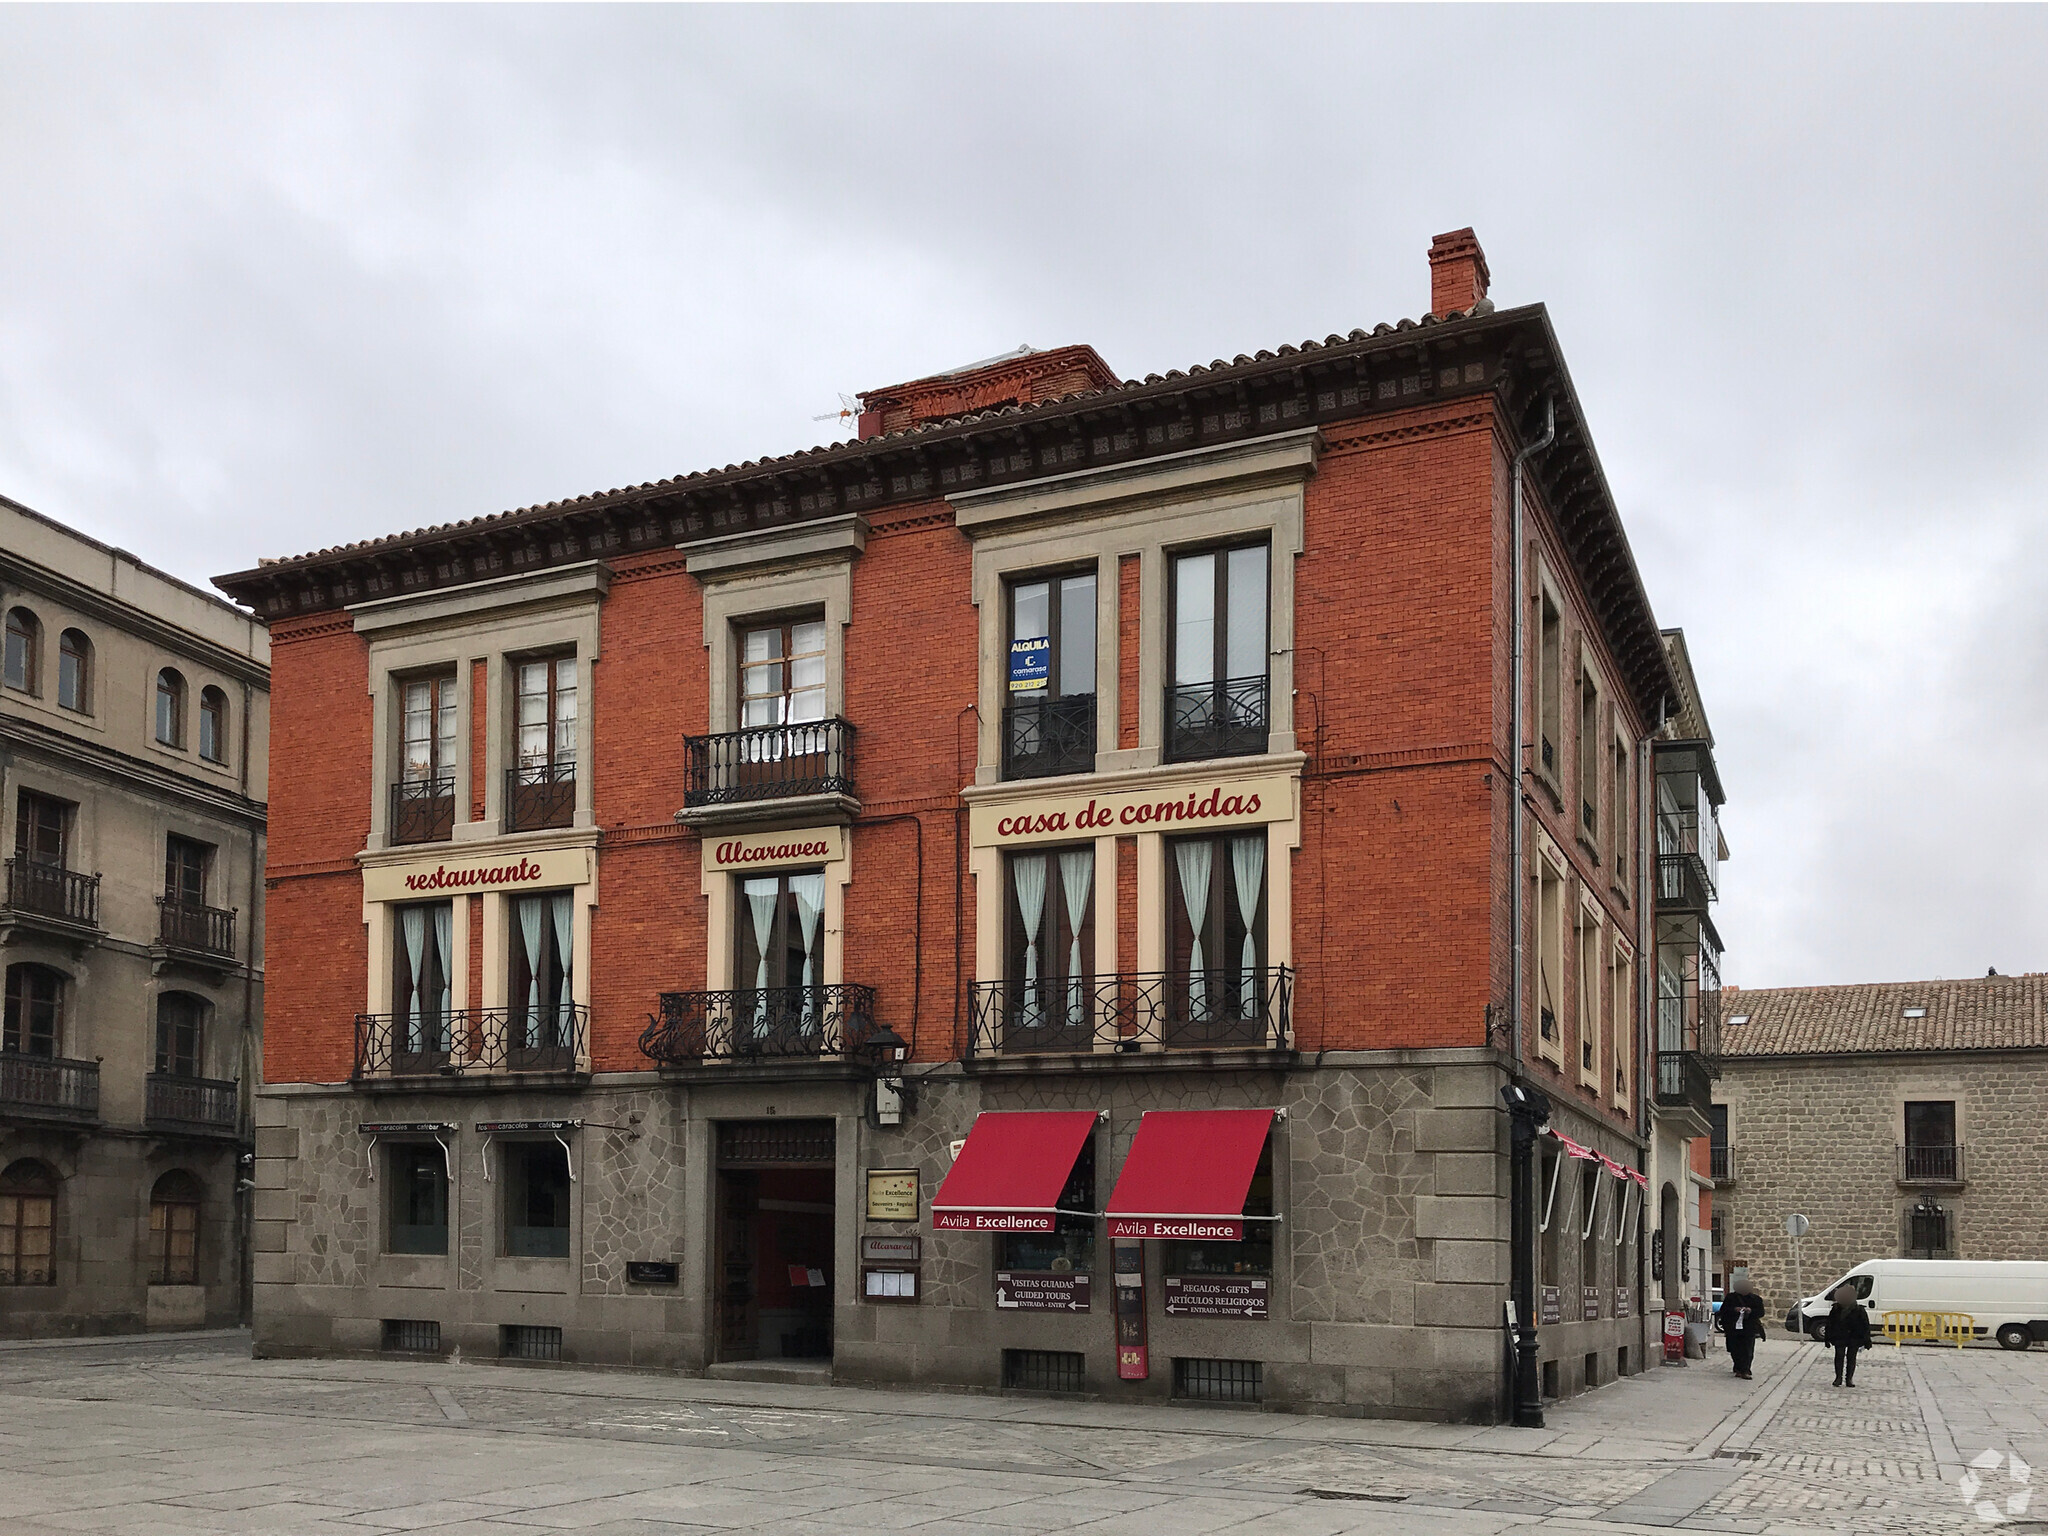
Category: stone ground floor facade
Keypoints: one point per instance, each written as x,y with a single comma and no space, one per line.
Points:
732,1218
142,1231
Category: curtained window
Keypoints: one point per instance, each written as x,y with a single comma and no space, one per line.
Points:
1217,982
421,985
1049,960
543,965
547,714
779,961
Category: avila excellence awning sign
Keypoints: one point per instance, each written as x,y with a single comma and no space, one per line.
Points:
1009,1175
1188,1174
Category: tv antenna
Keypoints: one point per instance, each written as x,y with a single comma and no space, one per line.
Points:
846,415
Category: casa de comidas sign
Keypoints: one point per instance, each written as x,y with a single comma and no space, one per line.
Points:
506,874
774,850
1185,806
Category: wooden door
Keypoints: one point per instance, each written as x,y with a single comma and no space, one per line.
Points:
738,1332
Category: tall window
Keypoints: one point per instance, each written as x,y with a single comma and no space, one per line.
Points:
1623,822
170,708
1621,989
1217,705
28,1222
35,1011
1931,1139
1049,721
1589,1000
174,1230
74,671
1549,958
1589,755
180,1030
418,1184
1717,1141
1049,945
41,828
185,861
1549,685
547,714
429,728
421,984
782,673
1217,983
543,1027
537,1192
779,961
23,662
213,725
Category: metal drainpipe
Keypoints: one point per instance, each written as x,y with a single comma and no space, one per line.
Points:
1517,683
246,1199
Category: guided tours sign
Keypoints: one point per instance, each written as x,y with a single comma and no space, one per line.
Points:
1215,1296
1182,806
1021,1291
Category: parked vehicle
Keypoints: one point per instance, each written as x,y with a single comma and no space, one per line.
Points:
2005,1299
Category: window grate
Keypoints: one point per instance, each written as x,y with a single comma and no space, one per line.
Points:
1219,1381
743,1143
1043,1370
523,1341
412,1336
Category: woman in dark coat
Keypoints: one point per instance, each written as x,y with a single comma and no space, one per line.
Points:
1742,1319
1848,1329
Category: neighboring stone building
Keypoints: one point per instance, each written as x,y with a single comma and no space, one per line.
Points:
134,736
1902,1119
1018,899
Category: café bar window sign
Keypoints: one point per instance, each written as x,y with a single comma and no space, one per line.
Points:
1030,664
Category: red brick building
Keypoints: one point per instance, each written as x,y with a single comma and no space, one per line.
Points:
675,894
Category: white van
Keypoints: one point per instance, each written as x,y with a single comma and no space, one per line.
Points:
2006,1299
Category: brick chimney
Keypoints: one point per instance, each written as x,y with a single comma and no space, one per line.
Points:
1023,377
1457,272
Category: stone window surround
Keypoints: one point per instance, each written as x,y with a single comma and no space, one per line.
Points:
805,569
1201,498
81,842
55,619
985,866
1925,1087
553,611
721,895
1623,991
1590,919
1543,851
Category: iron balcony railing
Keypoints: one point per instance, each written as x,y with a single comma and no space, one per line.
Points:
1721,1165
423,810
1229,718
1219,1009
49,890
1687,846
49,1087
771,1023
191,926
540,795
201,1104
1685,1080
1047,736
472,1042
770,762
1923,1164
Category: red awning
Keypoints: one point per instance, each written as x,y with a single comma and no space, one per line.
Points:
1188,1173
1585,1154
1009,1176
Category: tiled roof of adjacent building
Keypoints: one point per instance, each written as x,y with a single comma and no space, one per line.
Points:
1986,1013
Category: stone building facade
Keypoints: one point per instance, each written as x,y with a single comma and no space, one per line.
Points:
133,752
1902,1119
679,890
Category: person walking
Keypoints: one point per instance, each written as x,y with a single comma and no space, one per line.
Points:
1848,1329
1742,1319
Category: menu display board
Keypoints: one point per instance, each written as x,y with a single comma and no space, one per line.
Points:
1047,1291
1216,1296
1550,1305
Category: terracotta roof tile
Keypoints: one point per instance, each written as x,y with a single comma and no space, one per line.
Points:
1986,1013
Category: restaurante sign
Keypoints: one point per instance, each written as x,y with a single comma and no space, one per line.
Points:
533,871
1162,808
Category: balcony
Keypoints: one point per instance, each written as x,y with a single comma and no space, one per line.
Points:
1129,1013
188,929
49,1088
768,771
53,894
773,1024
472,1042
1721,1165
1231,718
540,795
1042,737
1685,1081
423,810
191,1106
1924,1164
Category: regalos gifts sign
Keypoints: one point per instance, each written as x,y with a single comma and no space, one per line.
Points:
1177,807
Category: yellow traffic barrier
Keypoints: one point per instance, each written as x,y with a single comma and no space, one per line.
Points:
1957,1328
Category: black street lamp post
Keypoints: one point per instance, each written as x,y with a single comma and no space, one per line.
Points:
1528,1111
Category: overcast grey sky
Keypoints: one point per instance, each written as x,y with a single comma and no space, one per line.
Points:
273,279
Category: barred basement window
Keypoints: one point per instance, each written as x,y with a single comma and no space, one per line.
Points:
1219,1381
412,1336
1043,1370
522,1341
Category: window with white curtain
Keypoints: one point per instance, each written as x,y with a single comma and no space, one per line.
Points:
421,991
546,710
1217,982
541,1031
779,960
1049,948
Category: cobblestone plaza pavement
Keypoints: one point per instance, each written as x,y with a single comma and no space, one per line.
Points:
186,1434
